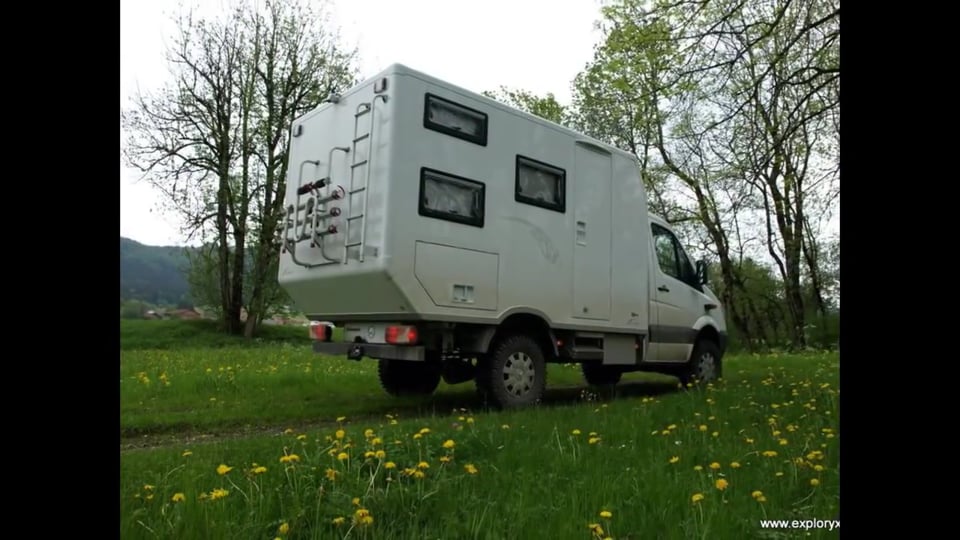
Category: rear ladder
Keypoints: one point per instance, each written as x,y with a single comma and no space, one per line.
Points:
362,110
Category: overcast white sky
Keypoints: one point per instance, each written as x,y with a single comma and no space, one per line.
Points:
538,45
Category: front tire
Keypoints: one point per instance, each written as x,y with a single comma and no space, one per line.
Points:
406,378
514,374
705,366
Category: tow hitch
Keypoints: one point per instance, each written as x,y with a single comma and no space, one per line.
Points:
355,352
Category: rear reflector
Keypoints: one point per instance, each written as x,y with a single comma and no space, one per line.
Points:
401,335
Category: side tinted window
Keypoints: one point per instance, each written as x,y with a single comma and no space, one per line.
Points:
452,198
666,249
449,118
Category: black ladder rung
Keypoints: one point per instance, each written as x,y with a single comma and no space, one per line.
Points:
358,190
355,217
359,163
362,137
353,244
366,110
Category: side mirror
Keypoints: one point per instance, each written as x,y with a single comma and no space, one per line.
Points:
702,276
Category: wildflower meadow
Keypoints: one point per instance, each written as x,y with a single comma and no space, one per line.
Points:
276,442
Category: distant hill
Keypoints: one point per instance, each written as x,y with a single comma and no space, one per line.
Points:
154,274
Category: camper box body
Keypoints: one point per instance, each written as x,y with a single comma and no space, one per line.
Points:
412,201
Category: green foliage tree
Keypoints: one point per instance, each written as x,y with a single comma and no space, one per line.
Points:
546,107
731,110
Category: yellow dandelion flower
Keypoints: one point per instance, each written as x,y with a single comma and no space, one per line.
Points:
702,427
779,474
218,493
331,474
301,437
259,469
505,426
593,440
757,494
674,459
417,435
735,465
697,497
783,442
356,501
761,499
715,466
289,458
577,432
339,521
368,454
423,465
340,434
769,453
186,453
715,434
341,418
749,441
722,483
148,487
424,431
362,517
368,433
818,468
283,529
445,459
389,465
376,441
596,529
698,467
814,482
418,474
178,497
379,454
470,468
343,456
672,426
448,444
223,469
606,514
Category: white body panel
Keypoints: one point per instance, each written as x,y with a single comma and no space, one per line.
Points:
585,263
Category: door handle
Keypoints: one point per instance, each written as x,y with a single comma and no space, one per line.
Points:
663,288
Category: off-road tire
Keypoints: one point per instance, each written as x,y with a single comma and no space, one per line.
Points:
597,374
513,374
704,366
409,378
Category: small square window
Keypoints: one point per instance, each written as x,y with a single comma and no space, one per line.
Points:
540,184
449,118
452,198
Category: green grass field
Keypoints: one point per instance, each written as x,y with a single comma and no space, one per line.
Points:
224,440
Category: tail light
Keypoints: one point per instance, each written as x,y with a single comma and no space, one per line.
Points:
401,335
320,331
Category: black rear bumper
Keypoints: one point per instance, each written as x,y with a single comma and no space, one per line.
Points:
379,351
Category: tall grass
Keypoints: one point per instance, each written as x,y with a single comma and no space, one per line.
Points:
712,463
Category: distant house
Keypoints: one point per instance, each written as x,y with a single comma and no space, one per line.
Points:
185,314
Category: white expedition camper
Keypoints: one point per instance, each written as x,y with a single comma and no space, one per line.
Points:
451,236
